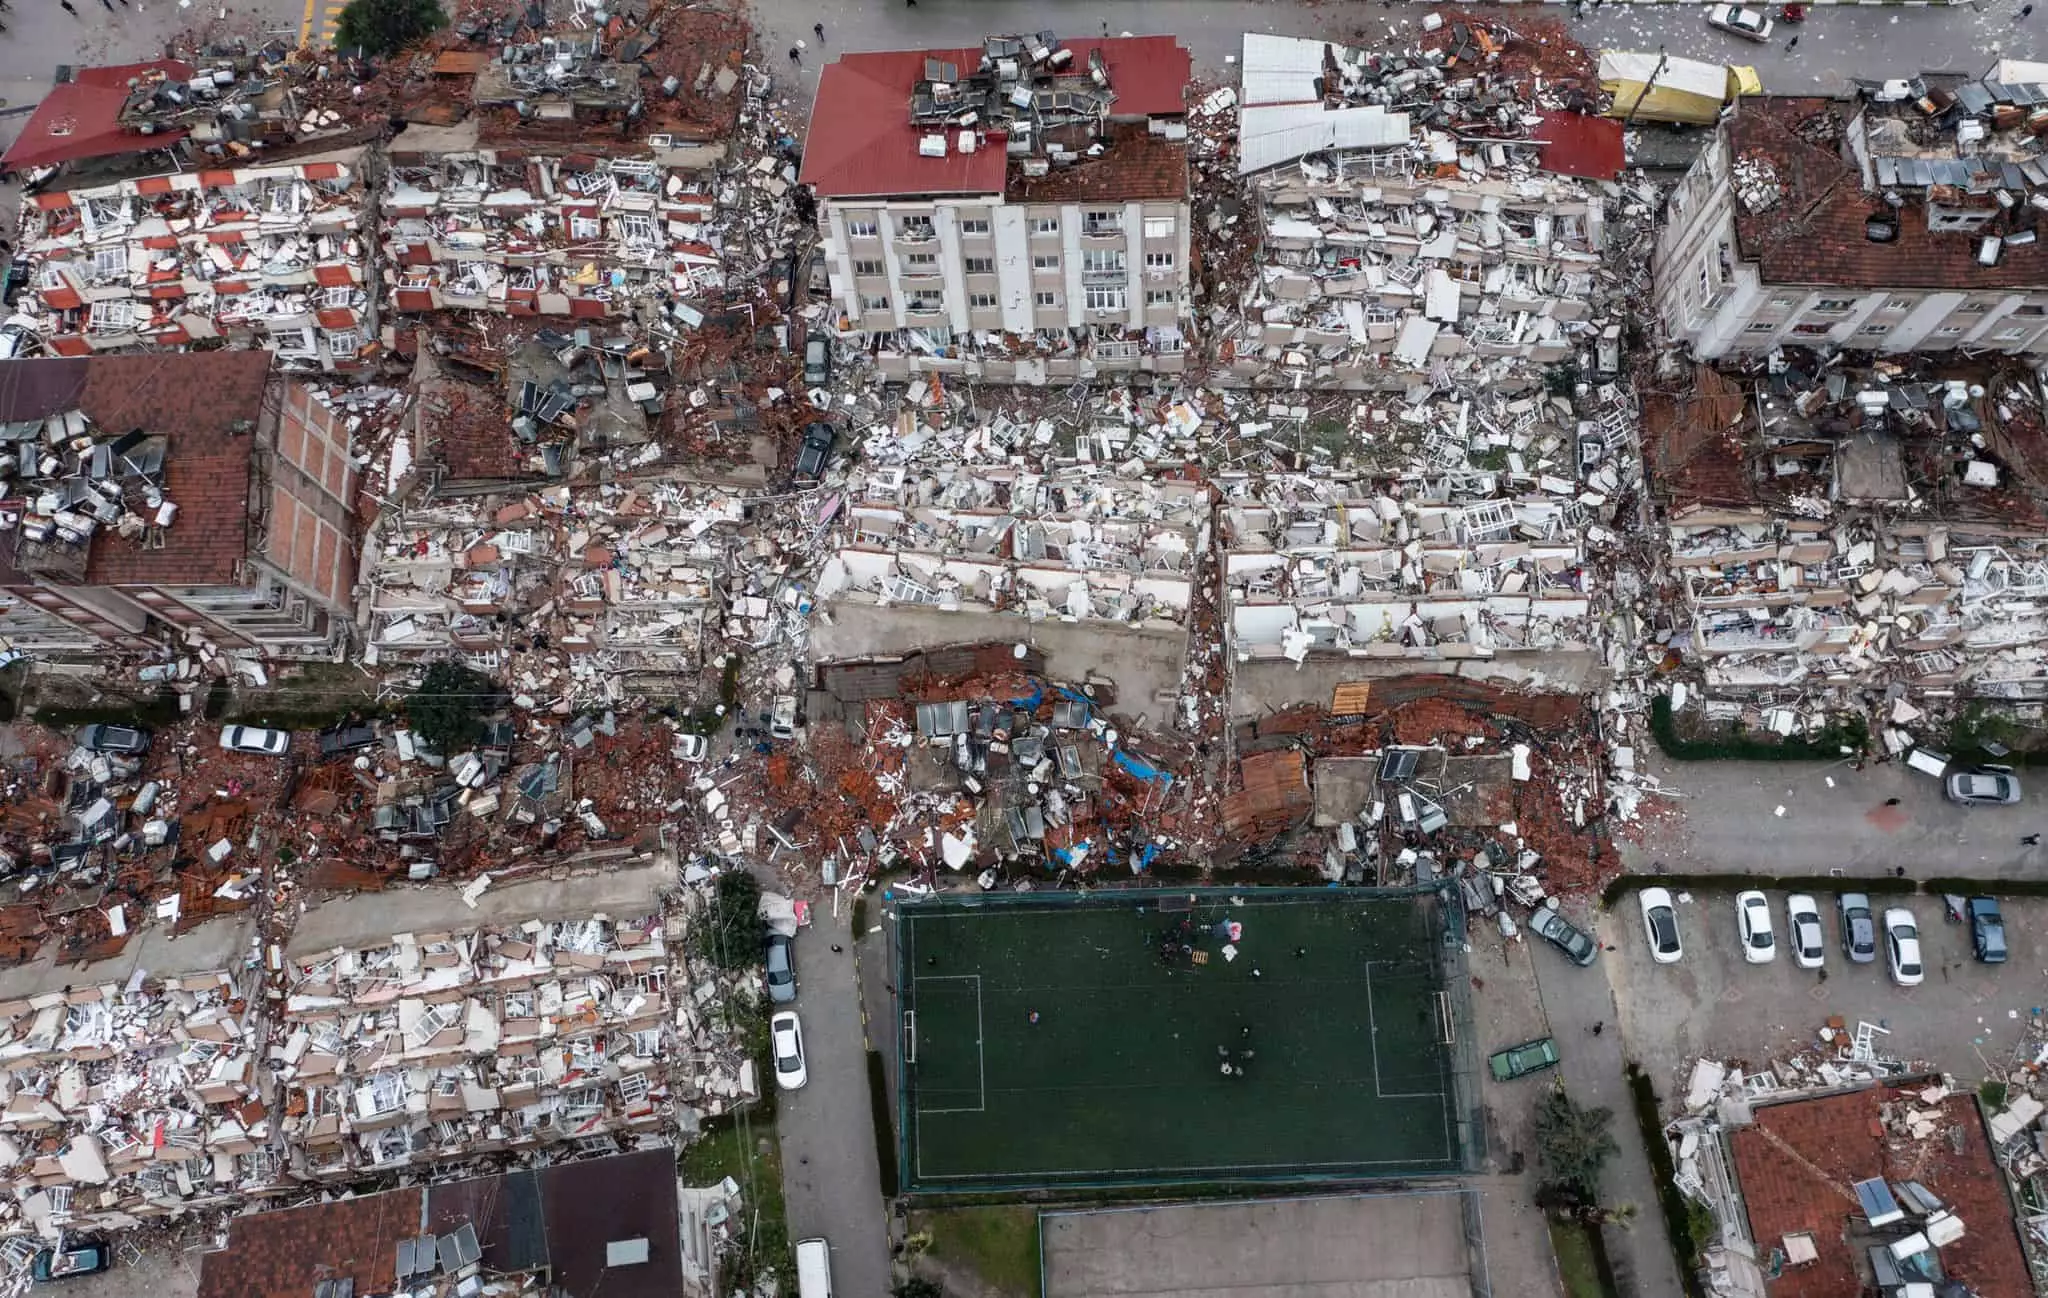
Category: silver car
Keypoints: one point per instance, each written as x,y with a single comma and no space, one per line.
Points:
1859,927
1987,786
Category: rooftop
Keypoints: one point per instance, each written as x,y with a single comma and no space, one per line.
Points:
877,114
1799,1161
82,118
1948,169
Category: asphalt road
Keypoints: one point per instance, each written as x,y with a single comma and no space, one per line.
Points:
1726,816
831,1183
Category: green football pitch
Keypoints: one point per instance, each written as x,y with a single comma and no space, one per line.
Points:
1060,1040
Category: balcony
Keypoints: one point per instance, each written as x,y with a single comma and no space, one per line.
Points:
920,233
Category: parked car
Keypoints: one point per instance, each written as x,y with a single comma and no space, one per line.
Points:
18,338
1520,1061
1859,927
1987,786
1902,947
256,739
347,739
781,968
1740,20
1803,931
1987,930
786,1041
691,748
817,361
816,451
1555,929
1753,922
113,739
1660,922
85,1257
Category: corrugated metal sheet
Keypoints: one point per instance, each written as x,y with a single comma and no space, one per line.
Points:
1275,133
1279,69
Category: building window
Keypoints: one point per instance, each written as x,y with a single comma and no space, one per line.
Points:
926,304
1949,331
1874,329
914,227
1834,305
981,265
862,229
1046,261
1158,261
110,261
1975,306
1102,261
1759,328
1781,304
343,344
921,260
585,227
1107,297
2031,309
115,313
1045,225
974,227
2009,335
1811,330
1102,221
1898,304
868,268
1047,299
874,304
1161,297
1158,227
981,301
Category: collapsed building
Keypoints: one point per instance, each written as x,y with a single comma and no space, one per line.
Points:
1842,526
1016,213
181,203
1416,213
1901,220
202,498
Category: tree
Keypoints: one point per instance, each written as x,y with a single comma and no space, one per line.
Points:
380,26
918,1286
1572,1145
731,933
449,707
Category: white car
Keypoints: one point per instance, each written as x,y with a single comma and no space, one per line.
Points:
1804,932
1660,924
786,1043
1753,921
256,739
1739,20
691,748
1902,947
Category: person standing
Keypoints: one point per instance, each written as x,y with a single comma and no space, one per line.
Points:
819,28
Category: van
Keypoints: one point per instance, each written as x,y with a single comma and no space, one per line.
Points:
813,1269
783,722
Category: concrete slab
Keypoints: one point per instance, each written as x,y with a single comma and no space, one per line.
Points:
217,944
371,917
1417,1245
1274,684
1145,662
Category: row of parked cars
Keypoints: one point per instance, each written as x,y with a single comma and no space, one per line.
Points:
260,740
1861,931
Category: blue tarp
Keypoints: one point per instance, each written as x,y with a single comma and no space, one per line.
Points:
1141,768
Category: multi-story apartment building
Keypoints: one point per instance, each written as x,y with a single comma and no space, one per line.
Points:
1028,188
192,497
1899,222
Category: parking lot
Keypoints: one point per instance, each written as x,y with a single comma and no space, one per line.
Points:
1962,1019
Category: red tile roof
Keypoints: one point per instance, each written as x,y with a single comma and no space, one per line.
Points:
284,1254
81,118
1136,165
1798,1161
1580,144
1814,235
861,141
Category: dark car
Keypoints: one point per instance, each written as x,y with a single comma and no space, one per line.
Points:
1558,931
1859,927
817,361
1987,930
816,450
86,1257
347,739
113,739
781,969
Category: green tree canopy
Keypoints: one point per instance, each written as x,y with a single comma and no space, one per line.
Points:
731,933
381,26
1572,1145
449,707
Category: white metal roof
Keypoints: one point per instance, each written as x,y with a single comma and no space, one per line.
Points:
1275,133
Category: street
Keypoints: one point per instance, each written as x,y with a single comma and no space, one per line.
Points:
1725,816
831,1183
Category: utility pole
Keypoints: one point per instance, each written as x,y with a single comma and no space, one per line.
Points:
1644,93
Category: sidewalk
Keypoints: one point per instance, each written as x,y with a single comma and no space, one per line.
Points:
1725,817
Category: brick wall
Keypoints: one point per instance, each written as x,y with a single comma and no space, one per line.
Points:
312,532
